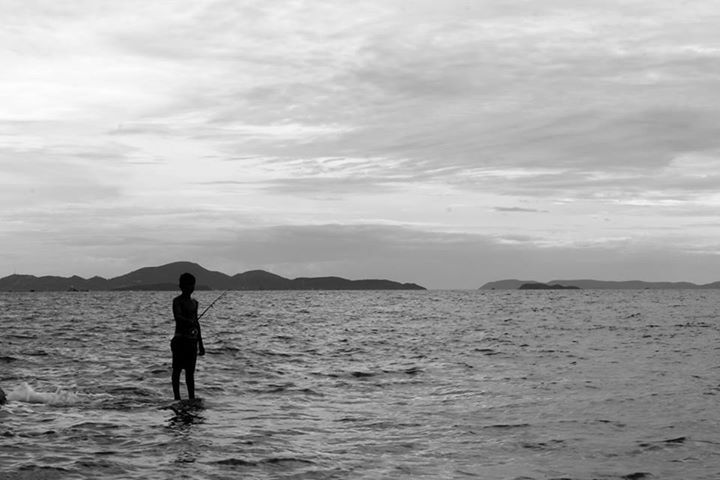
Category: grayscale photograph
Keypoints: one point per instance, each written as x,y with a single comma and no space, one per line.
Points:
359,240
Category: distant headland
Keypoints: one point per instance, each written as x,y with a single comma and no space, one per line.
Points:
165,277
594,285
545,286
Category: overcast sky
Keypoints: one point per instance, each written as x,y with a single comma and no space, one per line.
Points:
447,143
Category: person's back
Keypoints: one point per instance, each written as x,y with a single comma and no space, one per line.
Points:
185,313
187,338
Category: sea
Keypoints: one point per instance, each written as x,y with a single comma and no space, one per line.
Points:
517,385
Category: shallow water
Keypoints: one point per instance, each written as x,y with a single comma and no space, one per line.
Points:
366,385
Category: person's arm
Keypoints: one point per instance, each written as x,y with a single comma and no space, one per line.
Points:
201,347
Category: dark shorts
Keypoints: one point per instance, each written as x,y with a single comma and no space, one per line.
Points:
184,353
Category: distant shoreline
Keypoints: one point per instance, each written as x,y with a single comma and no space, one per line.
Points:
587,284
164,278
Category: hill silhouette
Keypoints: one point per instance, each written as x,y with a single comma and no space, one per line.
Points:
587,284
545,286
165,277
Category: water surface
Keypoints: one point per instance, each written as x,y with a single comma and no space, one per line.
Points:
366,385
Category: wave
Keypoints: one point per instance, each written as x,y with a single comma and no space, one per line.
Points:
26,393
126,397
266,461
410,371
286,388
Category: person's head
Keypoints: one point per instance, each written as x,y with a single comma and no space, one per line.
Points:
187,283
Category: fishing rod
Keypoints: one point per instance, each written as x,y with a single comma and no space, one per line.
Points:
211,304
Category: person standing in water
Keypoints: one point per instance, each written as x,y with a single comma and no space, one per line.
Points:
187,342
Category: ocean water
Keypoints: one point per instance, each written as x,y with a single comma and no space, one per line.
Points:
366,385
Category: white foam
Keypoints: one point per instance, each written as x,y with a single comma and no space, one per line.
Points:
25,393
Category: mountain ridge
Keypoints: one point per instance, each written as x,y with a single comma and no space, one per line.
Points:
164,277
589,284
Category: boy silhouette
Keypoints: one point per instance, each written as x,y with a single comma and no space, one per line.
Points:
187,343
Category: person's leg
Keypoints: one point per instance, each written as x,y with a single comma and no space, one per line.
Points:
176,368
190,382
190,370
176,383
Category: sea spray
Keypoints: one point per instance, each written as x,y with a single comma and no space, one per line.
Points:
26,393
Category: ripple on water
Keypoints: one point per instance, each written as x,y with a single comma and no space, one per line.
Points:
493,385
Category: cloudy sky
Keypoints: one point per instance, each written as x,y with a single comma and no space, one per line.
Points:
445,143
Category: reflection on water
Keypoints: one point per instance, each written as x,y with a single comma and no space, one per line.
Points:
180,427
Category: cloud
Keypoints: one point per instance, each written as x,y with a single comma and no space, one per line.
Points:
326,186
519,210
52,176
440,116
433,259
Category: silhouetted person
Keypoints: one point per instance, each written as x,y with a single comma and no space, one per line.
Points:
187,342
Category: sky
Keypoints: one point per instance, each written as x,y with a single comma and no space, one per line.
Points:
444,143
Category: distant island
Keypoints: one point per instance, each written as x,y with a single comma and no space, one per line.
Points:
545,286
163,278
594,285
